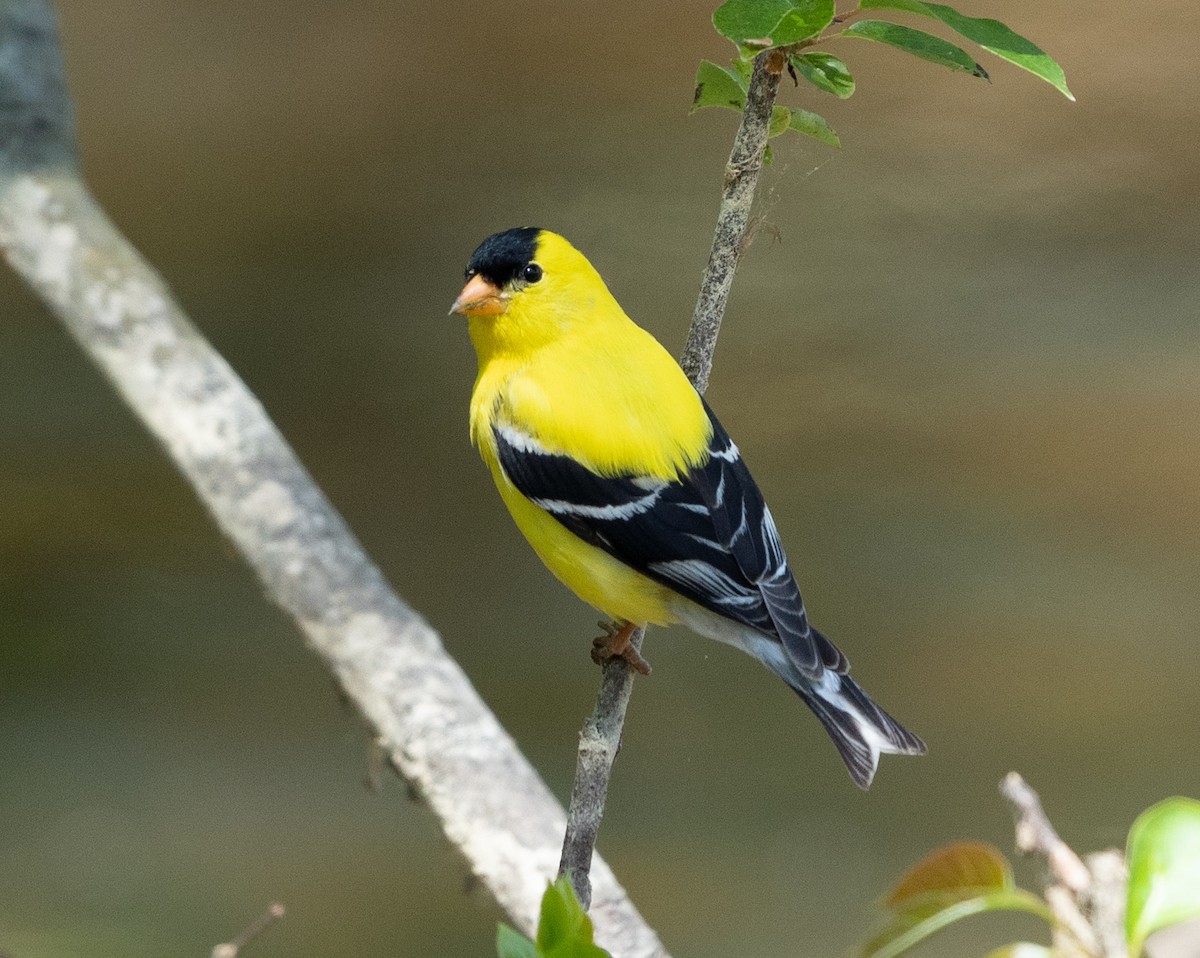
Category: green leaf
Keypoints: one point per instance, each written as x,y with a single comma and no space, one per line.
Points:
802,121
918,43
562,916
963,867
931,912
781,118
772,22
992,35
510,943
1164,869
826,73
564,929
716,86
1021,949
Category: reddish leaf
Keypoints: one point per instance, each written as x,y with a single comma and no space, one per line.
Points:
963,867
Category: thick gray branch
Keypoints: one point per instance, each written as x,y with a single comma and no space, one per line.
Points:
439,734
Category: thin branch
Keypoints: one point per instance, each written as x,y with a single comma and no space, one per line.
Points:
1036,834
1088,900
436,730
1070,933
231,949
598,746
1069,877
601,737
729,238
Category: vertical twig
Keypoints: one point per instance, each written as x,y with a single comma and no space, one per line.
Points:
600,739
598,746
729,238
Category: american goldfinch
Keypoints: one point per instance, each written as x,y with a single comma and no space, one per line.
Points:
627,487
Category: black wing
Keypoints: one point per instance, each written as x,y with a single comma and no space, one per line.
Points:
709,536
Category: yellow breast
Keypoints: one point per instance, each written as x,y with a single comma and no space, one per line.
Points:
565,365
596,577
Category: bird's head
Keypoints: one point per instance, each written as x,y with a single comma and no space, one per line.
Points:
530,284
502,267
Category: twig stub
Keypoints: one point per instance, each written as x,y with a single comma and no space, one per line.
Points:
231,949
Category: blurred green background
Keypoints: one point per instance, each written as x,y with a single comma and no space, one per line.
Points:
963,361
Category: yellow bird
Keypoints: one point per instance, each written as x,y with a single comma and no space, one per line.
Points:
627,487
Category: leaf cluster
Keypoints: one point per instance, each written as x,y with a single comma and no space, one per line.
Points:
797,27
969,878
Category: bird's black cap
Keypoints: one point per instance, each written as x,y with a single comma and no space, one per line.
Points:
501,257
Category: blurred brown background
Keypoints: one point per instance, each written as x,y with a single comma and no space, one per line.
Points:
965,371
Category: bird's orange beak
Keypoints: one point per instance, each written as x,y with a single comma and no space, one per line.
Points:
480,298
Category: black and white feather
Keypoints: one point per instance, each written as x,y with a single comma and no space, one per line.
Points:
710,539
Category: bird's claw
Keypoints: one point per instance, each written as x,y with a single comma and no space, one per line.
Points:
615,644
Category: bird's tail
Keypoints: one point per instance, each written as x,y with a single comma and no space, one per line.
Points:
860,729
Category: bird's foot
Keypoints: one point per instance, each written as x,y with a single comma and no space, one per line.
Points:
615,644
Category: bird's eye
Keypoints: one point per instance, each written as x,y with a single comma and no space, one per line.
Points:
471,271
531,273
